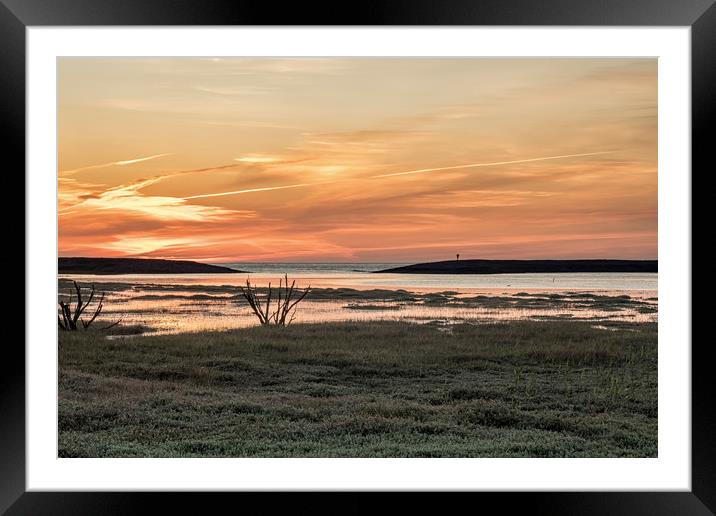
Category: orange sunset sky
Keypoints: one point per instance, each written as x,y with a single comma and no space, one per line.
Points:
346,159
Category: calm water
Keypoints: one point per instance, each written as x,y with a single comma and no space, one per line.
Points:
360,276
199,302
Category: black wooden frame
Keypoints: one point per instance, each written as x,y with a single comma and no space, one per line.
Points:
16,15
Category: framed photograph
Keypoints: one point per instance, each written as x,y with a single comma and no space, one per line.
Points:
414,248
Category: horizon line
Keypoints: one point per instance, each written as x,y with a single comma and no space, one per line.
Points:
139,257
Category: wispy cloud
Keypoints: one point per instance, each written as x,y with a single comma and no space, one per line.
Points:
126,198
258,159
228,91
144,245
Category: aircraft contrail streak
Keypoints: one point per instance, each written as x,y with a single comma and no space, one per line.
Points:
236,192
475,165
270,188
114,163
130,161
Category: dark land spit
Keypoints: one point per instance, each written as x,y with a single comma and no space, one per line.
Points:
526,266
136,266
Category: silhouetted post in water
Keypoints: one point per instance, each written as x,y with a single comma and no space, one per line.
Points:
458,257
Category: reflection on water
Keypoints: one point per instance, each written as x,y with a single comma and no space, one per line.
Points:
189,304
340,277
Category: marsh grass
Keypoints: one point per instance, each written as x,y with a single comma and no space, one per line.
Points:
383,389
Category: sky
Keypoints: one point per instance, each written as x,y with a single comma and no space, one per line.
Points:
357,159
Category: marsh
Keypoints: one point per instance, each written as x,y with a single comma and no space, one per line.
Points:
370,371
378,389
349,292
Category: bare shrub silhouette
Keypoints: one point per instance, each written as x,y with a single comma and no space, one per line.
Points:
283,311
70,317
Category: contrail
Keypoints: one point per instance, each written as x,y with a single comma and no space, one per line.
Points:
144,183
236,192
130,161
475,165
471,165
114,163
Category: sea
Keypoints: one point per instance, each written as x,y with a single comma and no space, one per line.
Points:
362,276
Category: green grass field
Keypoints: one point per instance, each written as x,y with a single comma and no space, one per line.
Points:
516,389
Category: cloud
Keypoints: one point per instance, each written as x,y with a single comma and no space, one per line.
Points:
145,245
258,159
228,91
71,192
126,198
122,221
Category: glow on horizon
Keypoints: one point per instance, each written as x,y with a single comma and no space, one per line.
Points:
357,159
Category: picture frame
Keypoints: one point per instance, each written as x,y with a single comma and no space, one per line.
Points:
700,15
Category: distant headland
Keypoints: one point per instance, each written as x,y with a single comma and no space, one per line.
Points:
525,266
136,266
